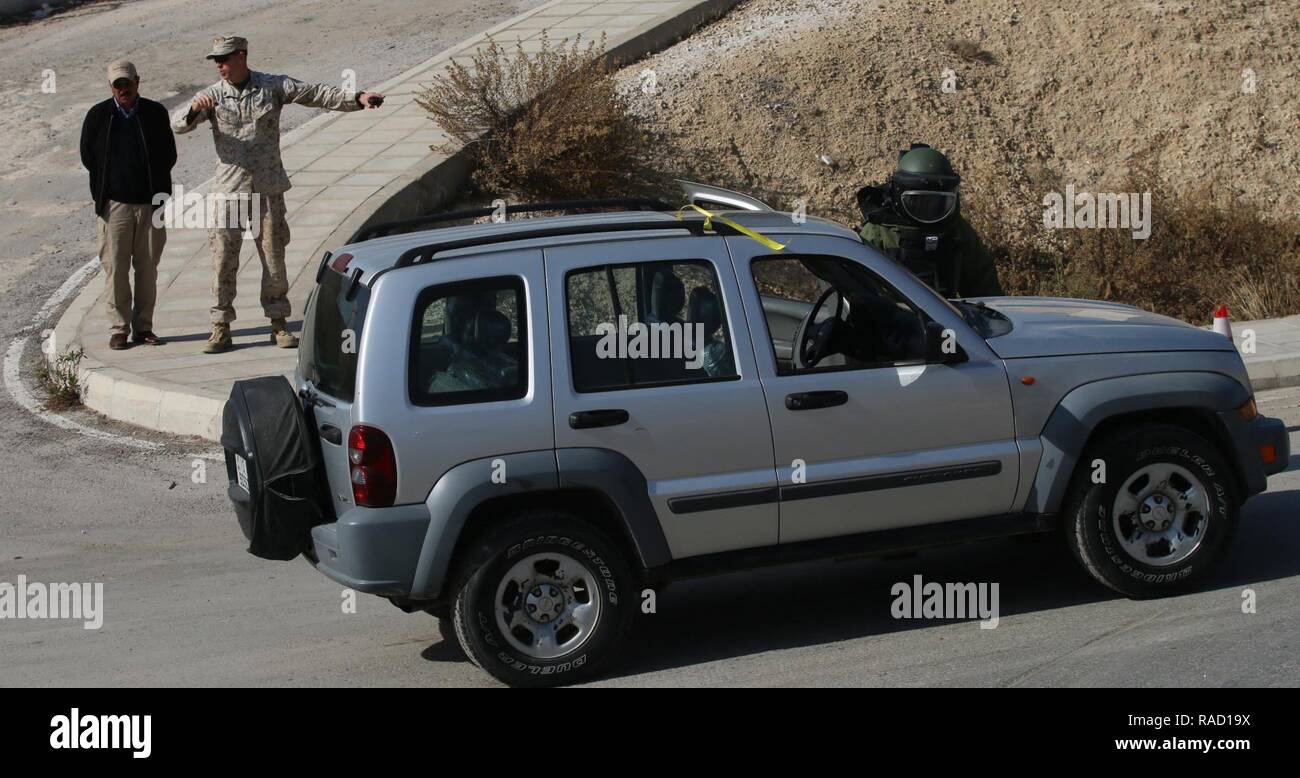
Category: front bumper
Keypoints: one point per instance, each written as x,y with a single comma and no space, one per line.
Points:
1251,440
1272,432
372,550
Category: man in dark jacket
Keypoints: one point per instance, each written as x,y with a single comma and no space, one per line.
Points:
128,147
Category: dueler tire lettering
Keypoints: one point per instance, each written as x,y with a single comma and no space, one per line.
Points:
1087,521
518,537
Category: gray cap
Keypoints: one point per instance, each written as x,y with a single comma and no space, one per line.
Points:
122,69
227,44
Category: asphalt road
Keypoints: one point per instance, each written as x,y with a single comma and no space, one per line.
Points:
185,605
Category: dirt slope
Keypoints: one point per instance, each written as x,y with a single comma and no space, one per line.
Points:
755,99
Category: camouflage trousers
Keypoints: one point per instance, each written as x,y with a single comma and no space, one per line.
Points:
272,235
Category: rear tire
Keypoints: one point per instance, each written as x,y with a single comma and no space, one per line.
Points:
543,600
1162,519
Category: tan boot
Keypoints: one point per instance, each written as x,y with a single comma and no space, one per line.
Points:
219,341
281,335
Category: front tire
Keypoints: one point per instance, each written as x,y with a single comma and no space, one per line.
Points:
545,600
1162,518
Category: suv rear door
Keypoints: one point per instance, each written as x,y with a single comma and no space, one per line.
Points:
327,365
694,424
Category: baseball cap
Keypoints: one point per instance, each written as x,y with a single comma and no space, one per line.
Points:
121,69
223,45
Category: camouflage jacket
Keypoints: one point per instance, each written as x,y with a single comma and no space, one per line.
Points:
246,127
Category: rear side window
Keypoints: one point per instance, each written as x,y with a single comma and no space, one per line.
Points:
647,324
331,336
468,341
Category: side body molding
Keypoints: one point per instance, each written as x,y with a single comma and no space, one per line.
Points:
463,488
1083,408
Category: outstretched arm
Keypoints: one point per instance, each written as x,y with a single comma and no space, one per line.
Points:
322,95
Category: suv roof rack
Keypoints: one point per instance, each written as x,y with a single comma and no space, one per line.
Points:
404,225
424,253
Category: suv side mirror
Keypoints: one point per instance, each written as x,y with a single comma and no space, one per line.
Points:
941,346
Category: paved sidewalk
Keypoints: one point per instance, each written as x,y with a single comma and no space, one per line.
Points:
347,170
1276,359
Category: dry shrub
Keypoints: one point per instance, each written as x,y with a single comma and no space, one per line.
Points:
1204,249
542,126
61,378
1253,297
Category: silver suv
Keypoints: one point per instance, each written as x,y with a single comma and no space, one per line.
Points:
521,426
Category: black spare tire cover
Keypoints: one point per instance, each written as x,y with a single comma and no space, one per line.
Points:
273,467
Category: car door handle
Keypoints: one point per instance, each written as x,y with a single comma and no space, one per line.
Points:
806,401
331,434
581,420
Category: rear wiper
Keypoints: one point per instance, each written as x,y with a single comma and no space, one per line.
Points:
309,395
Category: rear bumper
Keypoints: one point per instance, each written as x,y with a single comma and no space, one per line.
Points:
372,550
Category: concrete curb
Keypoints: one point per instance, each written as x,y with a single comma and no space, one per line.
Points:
435,180
1271,371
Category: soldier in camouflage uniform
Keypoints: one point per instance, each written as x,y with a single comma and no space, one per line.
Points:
243,109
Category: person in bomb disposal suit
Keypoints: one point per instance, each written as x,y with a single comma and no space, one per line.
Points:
129,151
915,219
243,109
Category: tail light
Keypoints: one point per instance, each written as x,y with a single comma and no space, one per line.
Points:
373,467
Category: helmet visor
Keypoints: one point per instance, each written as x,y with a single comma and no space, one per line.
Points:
929,207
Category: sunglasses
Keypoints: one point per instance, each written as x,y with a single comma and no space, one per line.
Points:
123,83
223,57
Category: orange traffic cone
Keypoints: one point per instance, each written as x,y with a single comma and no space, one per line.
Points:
1223,322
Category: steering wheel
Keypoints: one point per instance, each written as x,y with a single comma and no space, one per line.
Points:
811,340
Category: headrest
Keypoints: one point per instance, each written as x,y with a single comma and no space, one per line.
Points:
704,309
460,313
667,294
489,330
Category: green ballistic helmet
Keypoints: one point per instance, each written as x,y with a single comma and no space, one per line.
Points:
925,185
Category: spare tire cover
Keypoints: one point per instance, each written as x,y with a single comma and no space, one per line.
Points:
276,489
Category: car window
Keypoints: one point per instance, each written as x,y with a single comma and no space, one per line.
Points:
862,320
646,324
467,343
331,335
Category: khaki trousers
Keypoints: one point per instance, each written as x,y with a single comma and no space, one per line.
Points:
128,239
271,238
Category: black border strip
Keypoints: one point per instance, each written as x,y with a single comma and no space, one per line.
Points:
868,483
716,502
